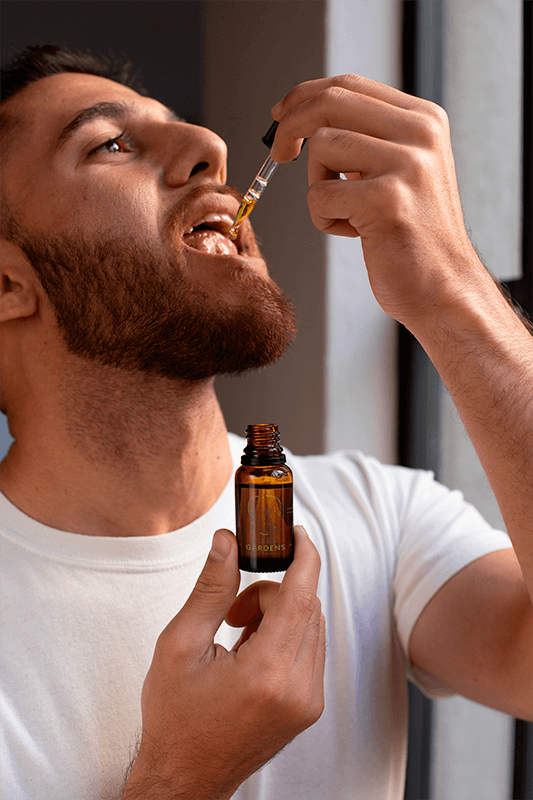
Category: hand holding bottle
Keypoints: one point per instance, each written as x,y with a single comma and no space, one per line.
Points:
212,717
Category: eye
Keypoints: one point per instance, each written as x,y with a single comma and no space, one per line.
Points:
119,144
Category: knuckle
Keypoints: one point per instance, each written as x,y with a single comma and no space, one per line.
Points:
394,194
342,140
169,647
165,640
322,621
317,617
438,113
306,602
290,703
321,193
205,586
432,131
280,697
417,163
432,123
264,689
332,93
349,79
317,708
297,708
305,705
298,93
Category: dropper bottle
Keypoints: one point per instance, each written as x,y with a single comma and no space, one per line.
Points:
263,503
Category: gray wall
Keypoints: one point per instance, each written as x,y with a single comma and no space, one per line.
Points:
254,54
162,39
337,386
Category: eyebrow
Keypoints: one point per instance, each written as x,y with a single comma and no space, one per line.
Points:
105,110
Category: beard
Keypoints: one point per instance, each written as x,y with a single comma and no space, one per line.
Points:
131,306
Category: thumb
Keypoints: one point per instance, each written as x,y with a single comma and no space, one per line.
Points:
213,594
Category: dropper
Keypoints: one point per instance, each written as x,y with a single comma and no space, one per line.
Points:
260,182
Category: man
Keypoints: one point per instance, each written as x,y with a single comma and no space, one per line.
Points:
122,297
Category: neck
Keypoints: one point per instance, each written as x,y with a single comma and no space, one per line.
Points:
110,453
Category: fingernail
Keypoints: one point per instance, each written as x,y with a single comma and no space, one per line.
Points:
221,547
277,108
301,530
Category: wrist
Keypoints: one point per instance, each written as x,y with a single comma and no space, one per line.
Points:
467,306
474,338
146,781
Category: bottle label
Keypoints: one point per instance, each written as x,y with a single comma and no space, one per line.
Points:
264,521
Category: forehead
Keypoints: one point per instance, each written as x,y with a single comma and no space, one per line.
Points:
45,107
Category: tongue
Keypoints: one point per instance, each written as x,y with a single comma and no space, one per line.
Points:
211,242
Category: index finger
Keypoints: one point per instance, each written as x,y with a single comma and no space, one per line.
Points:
287,617
380,111
355,83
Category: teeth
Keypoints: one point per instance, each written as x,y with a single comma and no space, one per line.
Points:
211,217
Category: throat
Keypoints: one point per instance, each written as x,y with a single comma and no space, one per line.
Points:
126,420
138,456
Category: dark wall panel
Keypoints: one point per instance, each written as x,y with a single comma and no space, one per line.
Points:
163,39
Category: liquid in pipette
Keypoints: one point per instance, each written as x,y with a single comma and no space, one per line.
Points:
253,194
245,208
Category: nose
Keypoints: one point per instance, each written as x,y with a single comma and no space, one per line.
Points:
193,155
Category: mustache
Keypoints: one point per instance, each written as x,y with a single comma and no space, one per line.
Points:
175,216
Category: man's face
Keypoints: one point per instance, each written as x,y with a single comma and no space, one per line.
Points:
106,189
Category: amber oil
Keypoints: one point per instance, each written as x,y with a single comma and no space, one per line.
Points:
245,208
263,503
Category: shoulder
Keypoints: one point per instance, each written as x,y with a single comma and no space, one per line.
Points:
350,476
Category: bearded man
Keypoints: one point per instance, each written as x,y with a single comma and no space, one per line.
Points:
122,298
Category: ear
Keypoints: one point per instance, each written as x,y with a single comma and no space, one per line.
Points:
19,293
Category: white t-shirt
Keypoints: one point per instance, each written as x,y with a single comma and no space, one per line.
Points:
81,615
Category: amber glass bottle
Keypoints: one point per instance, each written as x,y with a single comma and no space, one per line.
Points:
263,503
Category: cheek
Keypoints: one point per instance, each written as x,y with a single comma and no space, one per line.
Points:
111,206
119,202
123,210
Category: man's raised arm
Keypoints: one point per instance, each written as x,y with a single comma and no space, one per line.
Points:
401,198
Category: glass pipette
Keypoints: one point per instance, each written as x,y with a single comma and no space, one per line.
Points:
253,194
259,185
260,182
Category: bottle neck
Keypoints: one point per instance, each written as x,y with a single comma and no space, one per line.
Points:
263,447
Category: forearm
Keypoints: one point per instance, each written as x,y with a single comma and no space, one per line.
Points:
142,785
484,354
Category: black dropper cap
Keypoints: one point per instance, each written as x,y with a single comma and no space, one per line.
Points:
268,138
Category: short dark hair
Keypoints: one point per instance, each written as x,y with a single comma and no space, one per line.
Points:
40,61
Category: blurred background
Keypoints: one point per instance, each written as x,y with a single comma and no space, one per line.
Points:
353,379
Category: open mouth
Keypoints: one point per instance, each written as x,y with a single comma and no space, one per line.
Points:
210,234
